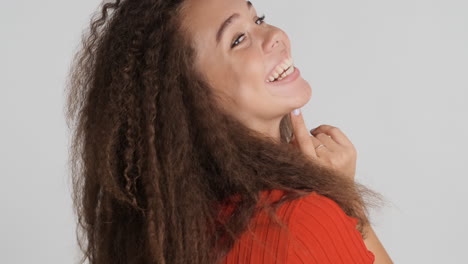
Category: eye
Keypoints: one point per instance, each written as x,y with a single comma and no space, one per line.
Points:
261,19
236,42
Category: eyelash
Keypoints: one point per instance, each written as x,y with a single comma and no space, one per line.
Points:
261,19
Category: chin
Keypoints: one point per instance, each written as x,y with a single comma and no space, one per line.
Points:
293,103
302,97
291,97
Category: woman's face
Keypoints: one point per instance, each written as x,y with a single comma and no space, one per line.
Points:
238,61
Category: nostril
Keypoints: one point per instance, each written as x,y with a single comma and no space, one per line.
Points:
276,42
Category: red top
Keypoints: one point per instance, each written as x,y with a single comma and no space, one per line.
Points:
320,231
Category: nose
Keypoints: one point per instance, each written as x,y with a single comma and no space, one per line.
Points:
275,40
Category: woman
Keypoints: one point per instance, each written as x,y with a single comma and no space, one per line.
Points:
183,138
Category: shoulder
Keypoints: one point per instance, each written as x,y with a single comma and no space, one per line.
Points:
263,241
316,207
321,232
318,231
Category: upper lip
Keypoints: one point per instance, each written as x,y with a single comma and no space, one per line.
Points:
273,70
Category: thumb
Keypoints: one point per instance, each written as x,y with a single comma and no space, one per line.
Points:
301,134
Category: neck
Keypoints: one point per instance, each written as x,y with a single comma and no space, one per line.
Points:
270,128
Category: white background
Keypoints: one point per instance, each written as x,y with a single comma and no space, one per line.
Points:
393,75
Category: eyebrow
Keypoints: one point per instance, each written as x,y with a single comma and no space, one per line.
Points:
228,22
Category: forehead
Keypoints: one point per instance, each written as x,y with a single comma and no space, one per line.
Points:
202,18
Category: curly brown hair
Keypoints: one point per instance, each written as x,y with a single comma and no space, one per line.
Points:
153,157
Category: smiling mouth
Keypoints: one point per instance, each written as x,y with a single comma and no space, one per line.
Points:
285,73
282,74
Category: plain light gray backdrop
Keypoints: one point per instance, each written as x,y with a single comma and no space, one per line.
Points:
393,75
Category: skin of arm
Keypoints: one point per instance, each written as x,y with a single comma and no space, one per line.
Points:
373,244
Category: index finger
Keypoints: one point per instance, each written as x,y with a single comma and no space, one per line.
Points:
301,134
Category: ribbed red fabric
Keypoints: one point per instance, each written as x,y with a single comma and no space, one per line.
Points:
320,233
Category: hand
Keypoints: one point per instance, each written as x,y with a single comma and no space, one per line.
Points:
338,153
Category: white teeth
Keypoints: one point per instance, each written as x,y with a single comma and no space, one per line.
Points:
279,72
288,72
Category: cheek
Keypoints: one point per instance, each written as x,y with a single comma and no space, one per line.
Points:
246,81
251,74
251,97
250,88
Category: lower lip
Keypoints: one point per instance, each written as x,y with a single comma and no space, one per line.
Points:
290,78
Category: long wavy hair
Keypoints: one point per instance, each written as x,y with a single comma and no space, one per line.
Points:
154,158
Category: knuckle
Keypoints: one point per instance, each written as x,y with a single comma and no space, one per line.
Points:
351,149
343,158
321,134
335,166
322,127
334,162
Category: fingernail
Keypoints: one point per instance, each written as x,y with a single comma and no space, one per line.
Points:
312,130
296,111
